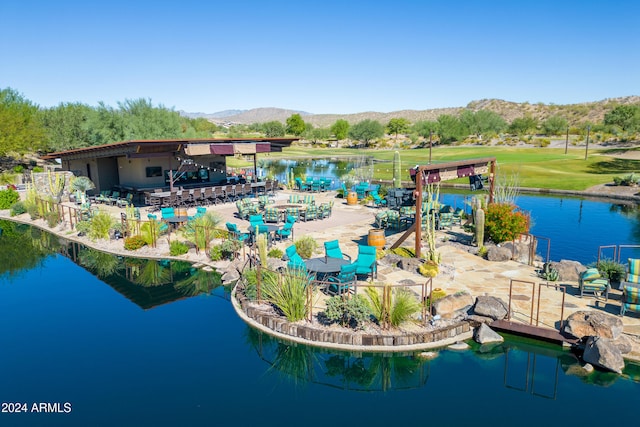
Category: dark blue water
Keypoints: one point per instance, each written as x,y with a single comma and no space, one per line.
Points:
124,354
576,227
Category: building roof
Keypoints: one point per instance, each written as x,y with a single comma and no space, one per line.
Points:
158,146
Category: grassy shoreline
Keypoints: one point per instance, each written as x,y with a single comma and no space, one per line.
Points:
547,168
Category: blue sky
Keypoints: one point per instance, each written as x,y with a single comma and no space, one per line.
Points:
319,56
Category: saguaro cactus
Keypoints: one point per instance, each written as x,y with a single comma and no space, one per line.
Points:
479,221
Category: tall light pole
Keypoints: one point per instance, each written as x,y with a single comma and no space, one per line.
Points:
566,142
430,144
586,150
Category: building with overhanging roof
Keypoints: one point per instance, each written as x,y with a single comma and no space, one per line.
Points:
146,164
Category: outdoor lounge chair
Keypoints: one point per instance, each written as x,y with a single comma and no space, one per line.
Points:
630,299
332,250
633,273
591,281
271,215
366,263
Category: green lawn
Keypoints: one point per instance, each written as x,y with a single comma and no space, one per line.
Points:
535,167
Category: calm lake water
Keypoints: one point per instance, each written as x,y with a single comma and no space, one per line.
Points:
130,343
576,227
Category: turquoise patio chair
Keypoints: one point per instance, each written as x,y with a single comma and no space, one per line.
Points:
377,200
630,299
286,231
167,213
344,281
235,233
295,260
332,250
366,263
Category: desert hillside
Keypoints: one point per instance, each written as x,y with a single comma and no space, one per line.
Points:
575,113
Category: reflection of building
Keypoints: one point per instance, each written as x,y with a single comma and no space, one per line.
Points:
146,164
148,283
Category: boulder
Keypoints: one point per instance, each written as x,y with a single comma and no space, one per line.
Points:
602,352
522,251
493,307
389,260
498,253
624,344
568,270
459,346
452,306
593,323
230,276
409,264
485,335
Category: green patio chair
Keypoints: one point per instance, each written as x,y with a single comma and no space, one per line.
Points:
591,281
293,212
271,215
630,299
310,213
309,199
381,219
293,198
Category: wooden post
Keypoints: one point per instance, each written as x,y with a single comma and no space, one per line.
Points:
418,219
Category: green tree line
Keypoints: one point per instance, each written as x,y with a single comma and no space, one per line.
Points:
25,127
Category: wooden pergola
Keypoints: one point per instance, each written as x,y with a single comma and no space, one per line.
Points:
434,173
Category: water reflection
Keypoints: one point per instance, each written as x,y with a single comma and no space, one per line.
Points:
350,169
531,367
145,282
22,248
356,372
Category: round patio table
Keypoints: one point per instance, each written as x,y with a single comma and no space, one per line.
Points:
326,265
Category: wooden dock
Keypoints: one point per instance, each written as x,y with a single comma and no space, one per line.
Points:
537,332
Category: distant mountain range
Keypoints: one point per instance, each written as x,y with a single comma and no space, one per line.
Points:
575,113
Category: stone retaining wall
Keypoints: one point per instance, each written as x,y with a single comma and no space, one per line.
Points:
318,334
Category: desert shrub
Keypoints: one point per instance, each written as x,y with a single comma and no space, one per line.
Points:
133,243
429,269
544,142
404,252
251,281
38,169
275,253
8,198
178,248
18,208
482,251
627,180
230,247
215,253
392,311
83,227
52,218
351,312
504,222
305,246
288,292
610,269
101,224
